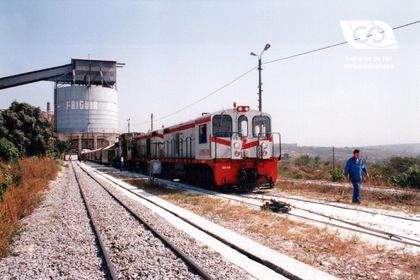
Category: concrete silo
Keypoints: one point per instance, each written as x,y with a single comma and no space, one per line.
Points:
87,115
85,100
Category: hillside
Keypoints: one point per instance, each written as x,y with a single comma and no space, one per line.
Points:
373,153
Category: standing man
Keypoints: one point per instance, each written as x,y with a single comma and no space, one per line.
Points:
355,167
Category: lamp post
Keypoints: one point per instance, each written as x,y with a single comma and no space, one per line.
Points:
267,46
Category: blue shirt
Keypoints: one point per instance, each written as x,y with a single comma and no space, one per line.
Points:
354,168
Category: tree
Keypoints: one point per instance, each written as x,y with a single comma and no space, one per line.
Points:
337,175
61,147
302,160
8,151
26,127
408,179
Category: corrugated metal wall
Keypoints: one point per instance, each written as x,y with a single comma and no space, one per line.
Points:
86,109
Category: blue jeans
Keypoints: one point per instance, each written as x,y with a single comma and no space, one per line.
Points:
356,190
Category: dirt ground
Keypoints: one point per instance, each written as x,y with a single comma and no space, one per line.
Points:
375,197
346,258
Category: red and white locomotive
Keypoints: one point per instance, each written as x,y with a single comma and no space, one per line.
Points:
233,148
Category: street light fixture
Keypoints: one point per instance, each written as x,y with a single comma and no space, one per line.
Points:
267,46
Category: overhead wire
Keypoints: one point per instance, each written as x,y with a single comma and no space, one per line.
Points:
267,62
204,97
335,45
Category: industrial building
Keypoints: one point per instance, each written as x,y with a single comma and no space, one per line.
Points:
85,100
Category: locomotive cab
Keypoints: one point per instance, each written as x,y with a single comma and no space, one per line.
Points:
243,148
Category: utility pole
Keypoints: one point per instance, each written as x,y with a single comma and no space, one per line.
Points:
267,46
151,122
128,125
333,150
259,85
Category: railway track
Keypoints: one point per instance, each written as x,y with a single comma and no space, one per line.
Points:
254,259
107,259
256,200
110,266
373,231
329,204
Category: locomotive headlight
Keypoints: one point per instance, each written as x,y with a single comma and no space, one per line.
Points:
237,145
264,145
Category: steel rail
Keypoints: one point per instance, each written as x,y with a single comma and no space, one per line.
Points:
368,230
108,262
399,238
266,263
315,220
342,207
178,252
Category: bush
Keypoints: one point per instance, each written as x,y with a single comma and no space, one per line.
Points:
298,175
6,178
302,160
61,147
8,150
408,179
26,127
337,175
29,178
316,162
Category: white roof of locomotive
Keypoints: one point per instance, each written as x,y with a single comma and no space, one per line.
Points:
223,111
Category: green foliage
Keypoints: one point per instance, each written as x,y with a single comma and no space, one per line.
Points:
408,179
26,127
337,175
6,177
307,161
398,165
299,175
8,150
316,162
302,160
61,147
397,171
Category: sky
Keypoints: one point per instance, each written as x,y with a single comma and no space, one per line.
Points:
176,52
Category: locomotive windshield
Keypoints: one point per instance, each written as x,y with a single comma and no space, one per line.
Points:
222,126
261,126
243,126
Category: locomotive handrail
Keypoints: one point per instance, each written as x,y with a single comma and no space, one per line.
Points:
172,148
188,147
238,135
231,133
180,148
270,134
159,150
156,153
166,148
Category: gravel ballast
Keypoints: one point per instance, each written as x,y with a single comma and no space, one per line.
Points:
134,251
56,240
209,260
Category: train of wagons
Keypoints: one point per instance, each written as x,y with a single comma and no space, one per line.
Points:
230,149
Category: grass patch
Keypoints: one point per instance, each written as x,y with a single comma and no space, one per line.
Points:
386,199
313,245
30,178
